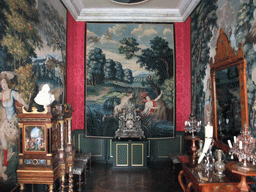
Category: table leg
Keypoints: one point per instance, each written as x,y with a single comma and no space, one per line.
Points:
90,164
70,180
62,181
79,182
180,180
21,187
188,189
243,186
51,188
85,173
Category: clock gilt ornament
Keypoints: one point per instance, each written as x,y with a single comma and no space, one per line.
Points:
129,124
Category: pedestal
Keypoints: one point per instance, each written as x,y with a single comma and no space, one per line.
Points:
243,186
193,147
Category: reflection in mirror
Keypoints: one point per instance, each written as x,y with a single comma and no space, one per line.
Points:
228,103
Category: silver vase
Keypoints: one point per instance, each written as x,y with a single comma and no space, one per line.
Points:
219,164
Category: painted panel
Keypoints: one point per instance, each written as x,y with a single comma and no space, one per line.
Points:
35,138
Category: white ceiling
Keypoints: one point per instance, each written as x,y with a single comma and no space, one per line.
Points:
149,11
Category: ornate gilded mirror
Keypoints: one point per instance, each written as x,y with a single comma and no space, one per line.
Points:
229,92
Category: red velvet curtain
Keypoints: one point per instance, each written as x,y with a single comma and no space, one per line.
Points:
183,73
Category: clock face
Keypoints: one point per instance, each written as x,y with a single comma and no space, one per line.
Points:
129,124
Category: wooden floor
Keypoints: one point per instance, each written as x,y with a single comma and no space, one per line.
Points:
159,177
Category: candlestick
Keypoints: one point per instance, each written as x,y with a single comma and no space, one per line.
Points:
240,145
208,130
229,143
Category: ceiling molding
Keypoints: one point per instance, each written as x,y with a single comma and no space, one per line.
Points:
187,7
107,11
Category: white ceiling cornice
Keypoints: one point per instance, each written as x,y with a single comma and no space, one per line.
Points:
107,11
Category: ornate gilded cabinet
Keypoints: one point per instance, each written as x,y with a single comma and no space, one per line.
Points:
45,147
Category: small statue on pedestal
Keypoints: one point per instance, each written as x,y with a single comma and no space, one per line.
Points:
44,97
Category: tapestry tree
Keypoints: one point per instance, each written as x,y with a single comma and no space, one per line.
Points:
22,37
95,65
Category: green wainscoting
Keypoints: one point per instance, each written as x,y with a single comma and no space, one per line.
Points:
122,154
137,154
102,149
129,154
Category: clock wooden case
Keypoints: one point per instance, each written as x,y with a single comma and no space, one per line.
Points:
45,146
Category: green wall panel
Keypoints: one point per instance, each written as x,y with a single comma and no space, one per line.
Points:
95,146
137,154
122,154
168,146
102,151
129,154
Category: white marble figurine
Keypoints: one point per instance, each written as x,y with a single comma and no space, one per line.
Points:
44,97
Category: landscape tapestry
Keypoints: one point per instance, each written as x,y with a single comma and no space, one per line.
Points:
32,53
130,63
238,19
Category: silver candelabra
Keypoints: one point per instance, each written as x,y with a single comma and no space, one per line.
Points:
243,148
192,125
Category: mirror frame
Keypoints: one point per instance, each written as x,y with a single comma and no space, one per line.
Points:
224,58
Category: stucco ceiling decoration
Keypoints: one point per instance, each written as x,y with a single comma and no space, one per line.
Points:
148,11
129,2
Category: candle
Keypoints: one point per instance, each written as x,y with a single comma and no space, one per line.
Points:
229,144
234,139
208,130
240,145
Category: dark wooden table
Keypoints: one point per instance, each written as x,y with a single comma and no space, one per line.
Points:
189,177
